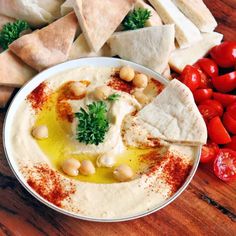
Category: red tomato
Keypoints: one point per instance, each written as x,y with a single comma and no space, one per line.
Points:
217,131
191,77
224,99
224,54
231,109
214,104
232,144
225,83
205,80
229,123
208,66
207,112
209,152
225,165
202,94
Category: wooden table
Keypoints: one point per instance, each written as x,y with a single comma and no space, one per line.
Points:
207,207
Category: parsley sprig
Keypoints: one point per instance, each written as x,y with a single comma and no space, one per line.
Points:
113,97
11,31
136,19
93,123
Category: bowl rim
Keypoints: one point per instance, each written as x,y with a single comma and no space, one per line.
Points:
69,65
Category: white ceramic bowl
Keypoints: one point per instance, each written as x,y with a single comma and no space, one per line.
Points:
21,95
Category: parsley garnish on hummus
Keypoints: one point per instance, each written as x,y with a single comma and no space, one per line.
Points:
93,123
113,97
11,31
136,19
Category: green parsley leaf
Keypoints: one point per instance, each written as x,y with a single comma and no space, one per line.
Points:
136,19
93,123
11,31
113,97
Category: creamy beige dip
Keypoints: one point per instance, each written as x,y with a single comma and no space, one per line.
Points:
114,200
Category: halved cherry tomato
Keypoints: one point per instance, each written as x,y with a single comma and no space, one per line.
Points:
205,79
217,131
190,77
207,112
231,109
229,123
214,104
209,152
224,54
232,144
208,66
225,165
225,83
202,94
224,99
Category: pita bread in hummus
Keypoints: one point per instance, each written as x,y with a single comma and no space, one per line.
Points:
150,46
175,116
48,46
5,94
99,19
13,71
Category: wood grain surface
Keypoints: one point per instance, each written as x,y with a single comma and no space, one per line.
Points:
206,207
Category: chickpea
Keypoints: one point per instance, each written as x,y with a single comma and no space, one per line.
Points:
102,92
71,166
40,132
127,73
87,168
140,81
141,98
78,88
106,160
123,173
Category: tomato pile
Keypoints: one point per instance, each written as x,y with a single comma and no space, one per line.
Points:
212,81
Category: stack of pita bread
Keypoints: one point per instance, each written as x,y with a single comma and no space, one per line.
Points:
176,34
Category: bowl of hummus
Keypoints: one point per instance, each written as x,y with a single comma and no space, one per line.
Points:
103,139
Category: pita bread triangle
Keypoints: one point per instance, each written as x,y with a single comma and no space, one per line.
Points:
150,46
174,117
48,46
100,18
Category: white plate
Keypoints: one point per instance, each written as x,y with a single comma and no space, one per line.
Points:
31,85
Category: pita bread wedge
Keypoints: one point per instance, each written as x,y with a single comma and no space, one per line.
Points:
48,46
67,7
36,13
155,19
81,49
179,58
186,32
5,95
150,46
174,117
99,19
13,71
198,13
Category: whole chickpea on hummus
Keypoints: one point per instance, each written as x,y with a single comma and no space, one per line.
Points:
107,142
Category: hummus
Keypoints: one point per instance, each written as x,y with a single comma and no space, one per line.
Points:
159,168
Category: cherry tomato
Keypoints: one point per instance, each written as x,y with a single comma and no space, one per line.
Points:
208,66
229,123
231,109
225,165
232,144
205,79
225,83
217,131
224,99
224,54
190,77
209,152
202,94
207,112
214,104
